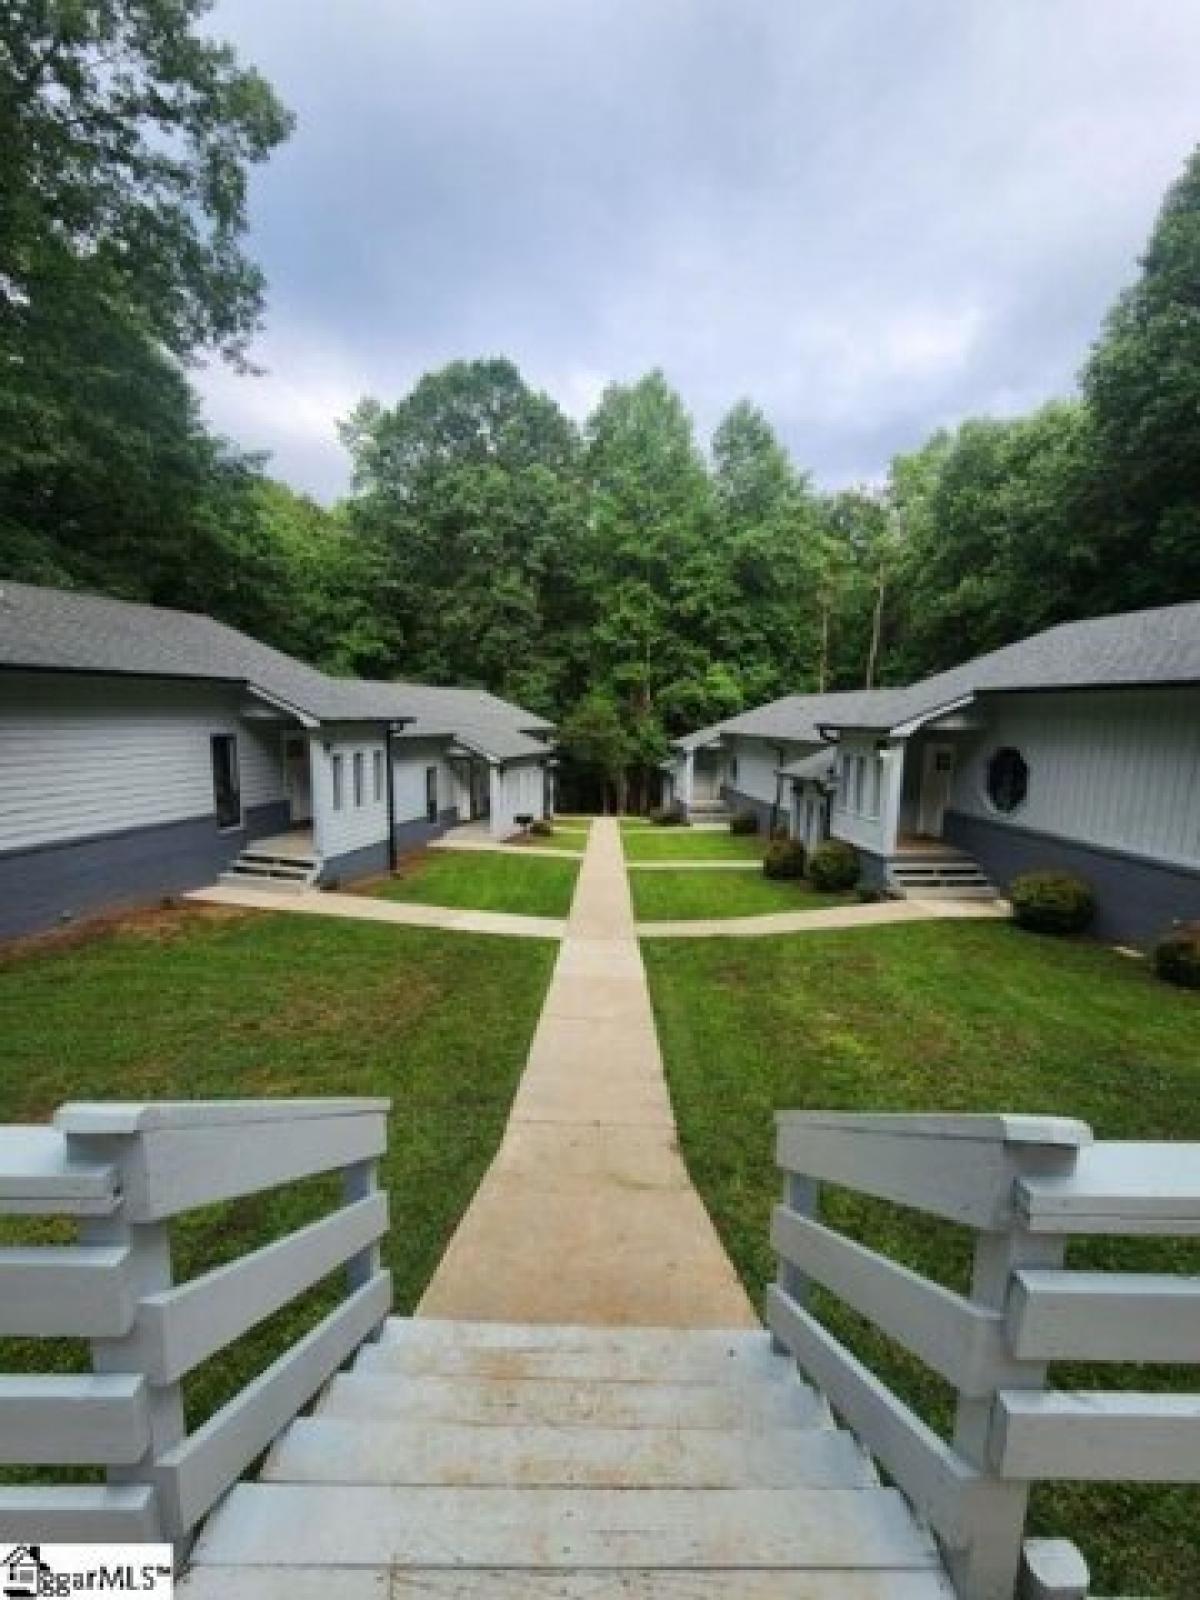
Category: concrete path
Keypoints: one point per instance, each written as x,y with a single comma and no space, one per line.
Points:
587,1214
362,908
498,847
751,864
845,916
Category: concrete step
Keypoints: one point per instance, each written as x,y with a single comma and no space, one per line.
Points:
570,1403
383,1583
300,1525
235,879
430,1347
318,1450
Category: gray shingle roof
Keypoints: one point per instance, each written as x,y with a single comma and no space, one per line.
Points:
1135,648
63,631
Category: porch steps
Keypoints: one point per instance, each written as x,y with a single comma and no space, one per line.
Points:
940,877
474,1460
262,868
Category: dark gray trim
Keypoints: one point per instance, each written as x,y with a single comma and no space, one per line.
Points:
873,869
1136,899
369,862
49,885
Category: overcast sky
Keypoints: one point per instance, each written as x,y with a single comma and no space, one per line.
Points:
873,217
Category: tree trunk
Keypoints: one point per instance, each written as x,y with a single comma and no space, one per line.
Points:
876,630
823,663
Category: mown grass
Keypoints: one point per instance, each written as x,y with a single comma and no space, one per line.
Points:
965,1016
682,895
186,1005
485,880
689,844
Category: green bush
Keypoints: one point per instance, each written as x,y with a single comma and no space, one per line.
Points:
784,859
833,866
743,822
1052,902
1177,956
666,817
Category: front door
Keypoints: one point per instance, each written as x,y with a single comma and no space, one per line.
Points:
298,778
937,779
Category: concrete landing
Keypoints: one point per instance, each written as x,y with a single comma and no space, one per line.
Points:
587,1215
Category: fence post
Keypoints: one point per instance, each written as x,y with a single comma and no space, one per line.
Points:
989,1567
149,1246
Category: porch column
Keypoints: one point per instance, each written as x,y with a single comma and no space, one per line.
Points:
892,786
685,781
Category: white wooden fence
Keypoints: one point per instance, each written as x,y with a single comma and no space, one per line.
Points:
1025,1185
123,1171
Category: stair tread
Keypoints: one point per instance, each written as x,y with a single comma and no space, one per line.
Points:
573,1403
258,1524
503,1351
566,1403
324,1450
383,1583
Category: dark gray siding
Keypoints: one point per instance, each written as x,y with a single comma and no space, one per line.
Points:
54,884
1136,899
738,800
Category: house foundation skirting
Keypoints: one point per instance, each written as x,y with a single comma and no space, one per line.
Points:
55,884
737,801
1136,899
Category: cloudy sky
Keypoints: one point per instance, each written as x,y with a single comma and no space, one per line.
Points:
871,216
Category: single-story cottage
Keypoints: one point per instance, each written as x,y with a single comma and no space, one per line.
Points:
1077,748
145,751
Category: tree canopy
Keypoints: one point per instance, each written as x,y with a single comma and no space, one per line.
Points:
619,576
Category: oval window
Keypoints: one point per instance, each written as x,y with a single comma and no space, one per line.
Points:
1007,779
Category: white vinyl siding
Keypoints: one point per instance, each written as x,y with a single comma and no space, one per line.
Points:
85,756
356,825
756,769
411,757
1114,768
864,804
517,790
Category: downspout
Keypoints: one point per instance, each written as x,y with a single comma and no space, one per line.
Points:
391,797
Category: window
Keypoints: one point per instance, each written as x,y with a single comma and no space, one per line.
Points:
227,786
431,793
860,773
358,778
875,789
1007,779
338,782
377,770
733,770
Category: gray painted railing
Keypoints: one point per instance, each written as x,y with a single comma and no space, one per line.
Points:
123,1171
1024,1185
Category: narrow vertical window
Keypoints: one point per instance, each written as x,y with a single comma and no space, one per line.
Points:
876,789
377,769
358,778
227,786
338,782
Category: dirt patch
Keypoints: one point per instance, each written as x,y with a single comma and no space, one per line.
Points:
161,924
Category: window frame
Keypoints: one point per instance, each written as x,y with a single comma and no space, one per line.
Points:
337,774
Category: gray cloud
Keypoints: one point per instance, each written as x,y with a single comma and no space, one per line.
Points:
873,217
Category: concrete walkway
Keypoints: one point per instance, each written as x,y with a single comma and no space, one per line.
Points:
751,864
362,908
587,1214
450,841
847,916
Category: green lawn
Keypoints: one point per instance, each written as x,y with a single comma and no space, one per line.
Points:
689,844
963,1016
191,1005
485,880
674,896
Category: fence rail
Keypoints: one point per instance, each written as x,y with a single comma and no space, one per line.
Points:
1025,1185
122,1172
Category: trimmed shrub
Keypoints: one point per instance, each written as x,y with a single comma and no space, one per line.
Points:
743,822
833,866
1177,956
780,831
1052,902
542,828
784,859
666,817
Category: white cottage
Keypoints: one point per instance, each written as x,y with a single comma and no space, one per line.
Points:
1078,748
145,751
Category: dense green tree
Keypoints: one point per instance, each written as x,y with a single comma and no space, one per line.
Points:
1142,386
125,137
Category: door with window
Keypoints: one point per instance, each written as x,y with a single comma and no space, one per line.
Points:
227,786
937,780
